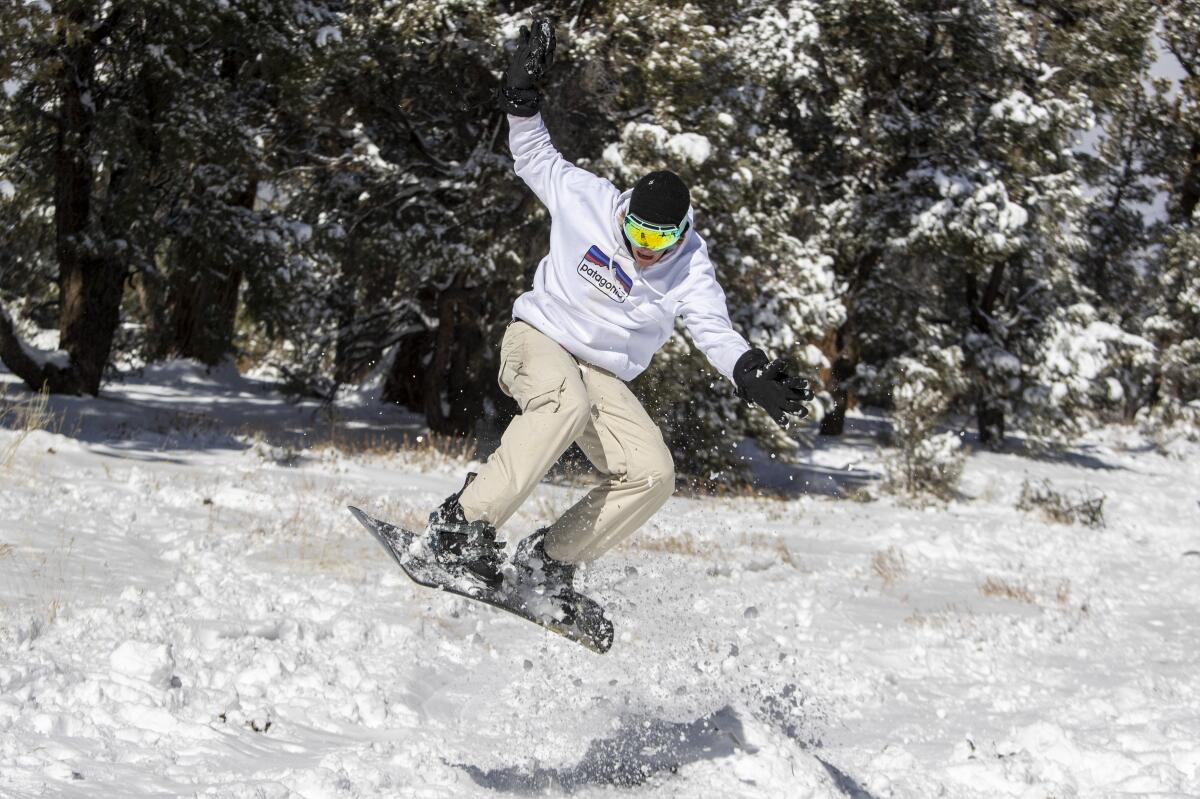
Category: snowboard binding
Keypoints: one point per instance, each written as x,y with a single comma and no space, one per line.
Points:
532,566
465,548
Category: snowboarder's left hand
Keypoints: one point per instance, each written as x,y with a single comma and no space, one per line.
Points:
768,385
519,94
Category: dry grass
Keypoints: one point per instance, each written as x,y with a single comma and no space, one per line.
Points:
688,545
952,613
24,416
785,554
1002,589
889,566
1071,507
38,581
676,544
423,449
861,494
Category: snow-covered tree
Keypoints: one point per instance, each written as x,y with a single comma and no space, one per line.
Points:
326,187
137,133
953,205
1175,324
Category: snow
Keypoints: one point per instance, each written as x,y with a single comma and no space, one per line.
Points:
327,34
1020,109
691,147
612,156
186,609
7,190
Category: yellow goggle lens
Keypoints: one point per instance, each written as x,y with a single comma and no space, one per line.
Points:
649,237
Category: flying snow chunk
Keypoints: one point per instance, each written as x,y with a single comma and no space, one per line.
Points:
690,146
7,190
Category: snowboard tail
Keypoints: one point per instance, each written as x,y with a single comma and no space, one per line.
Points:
573,616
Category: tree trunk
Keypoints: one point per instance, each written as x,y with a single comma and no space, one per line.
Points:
20,362
203,298
203,307
150,289
990,421
837,383
90,282
440,371
842,348
989,415
1189,190
450,376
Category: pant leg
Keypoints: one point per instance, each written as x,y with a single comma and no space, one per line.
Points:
623,442
545,381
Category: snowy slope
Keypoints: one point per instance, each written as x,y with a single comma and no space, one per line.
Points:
184,612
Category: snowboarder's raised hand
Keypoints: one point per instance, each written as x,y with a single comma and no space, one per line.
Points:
519,93
768,385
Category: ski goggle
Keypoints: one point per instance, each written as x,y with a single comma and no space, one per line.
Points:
651,236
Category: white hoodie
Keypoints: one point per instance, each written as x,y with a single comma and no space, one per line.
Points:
588,295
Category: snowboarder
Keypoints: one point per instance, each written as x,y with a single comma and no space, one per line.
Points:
621,267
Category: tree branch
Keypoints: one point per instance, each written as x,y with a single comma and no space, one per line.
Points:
14,354
20,362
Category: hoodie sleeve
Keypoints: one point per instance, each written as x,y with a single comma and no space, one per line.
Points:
706,316
554,179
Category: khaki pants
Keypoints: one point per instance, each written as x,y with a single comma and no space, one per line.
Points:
562,401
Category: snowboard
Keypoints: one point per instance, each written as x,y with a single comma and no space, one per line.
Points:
575,617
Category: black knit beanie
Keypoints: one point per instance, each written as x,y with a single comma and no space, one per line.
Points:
660,198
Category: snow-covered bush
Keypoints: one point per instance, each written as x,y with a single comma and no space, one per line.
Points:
1090,372
923,462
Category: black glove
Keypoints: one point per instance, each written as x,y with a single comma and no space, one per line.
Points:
769,386
519,94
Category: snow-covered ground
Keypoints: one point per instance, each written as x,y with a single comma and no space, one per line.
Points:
186,609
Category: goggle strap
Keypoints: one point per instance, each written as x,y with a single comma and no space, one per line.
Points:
658,228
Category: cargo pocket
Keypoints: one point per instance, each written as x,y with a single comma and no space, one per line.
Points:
505,375
545,385
510,359
533,395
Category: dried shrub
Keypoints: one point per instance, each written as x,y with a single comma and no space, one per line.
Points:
889,566
23,415
1070,507
995,587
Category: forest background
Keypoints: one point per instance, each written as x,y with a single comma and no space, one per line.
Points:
980,215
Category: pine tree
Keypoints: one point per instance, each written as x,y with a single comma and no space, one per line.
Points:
150,156
1174,320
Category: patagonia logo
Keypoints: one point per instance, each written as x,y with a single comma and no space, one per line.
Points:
597,268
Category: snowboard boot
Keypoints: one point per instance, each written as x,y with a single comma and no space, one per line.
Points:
465,548
532,567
